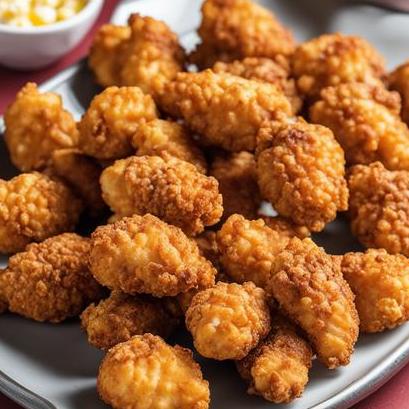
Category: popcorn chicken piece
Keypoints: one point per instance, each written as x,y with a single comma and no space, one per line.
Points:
235,29
120,316
36,125
158,136
225,110
300,171
145,372
398,80
228,320
111,120
286,227
380,283
50,281
167,187
34,207
142,254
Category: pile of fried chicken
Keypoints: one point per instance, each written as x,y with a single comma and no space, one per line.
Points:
171,162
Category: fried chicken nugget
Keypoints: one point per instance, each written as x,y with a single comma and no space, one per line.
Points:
167,187
142,254
266,70
36,125
236,174
300,171
107,127
228,320
235,29
147,373
286,227
119,317
365,120
158,136
50,281
380,283
379,207
34,207
333,59
277,369
225,110
398,80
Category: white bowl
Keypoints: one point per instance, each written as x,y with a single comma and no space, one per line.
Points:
28,48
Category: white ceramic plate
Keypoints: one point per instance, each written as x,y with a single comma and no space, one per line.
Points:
45,366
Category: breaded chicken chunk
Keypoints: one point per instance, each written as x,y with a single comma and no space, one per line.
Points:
379,207
333,59
310,289
50,281
107,127
228,320
286,227
365,120
380,282
34,207
142,254
300,171
158,136
36,125
266,70
225,110
235,29
147,373
119,317
236,174
398,80
277,369
167,187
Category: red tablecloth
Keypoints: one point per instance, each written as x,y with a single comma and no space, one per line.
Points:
393,395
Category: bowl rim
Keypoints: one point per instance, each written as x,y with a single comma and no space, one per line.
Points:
91,8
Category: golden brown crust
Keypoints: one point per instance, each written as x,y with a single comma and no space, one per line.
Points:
379,207
142,254
332,59
228,320
398,80
159,136
36,125
120,316
379,282
145,372
33,208
167,187
50,281
300,170
224,109
286,227
235,29
105,133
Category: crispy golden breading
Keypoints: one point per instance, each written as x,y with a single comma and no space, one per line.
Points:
81,172
167,187
235,29
236,174
50,281
380,283
104,54
277,369
142,254
332,59
300,170
310,289
225,110
36,125
248,249
107,127
379,207
228,320
147,373
398,80
365,120
286,227
34,207
266,70
119,317
158,136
